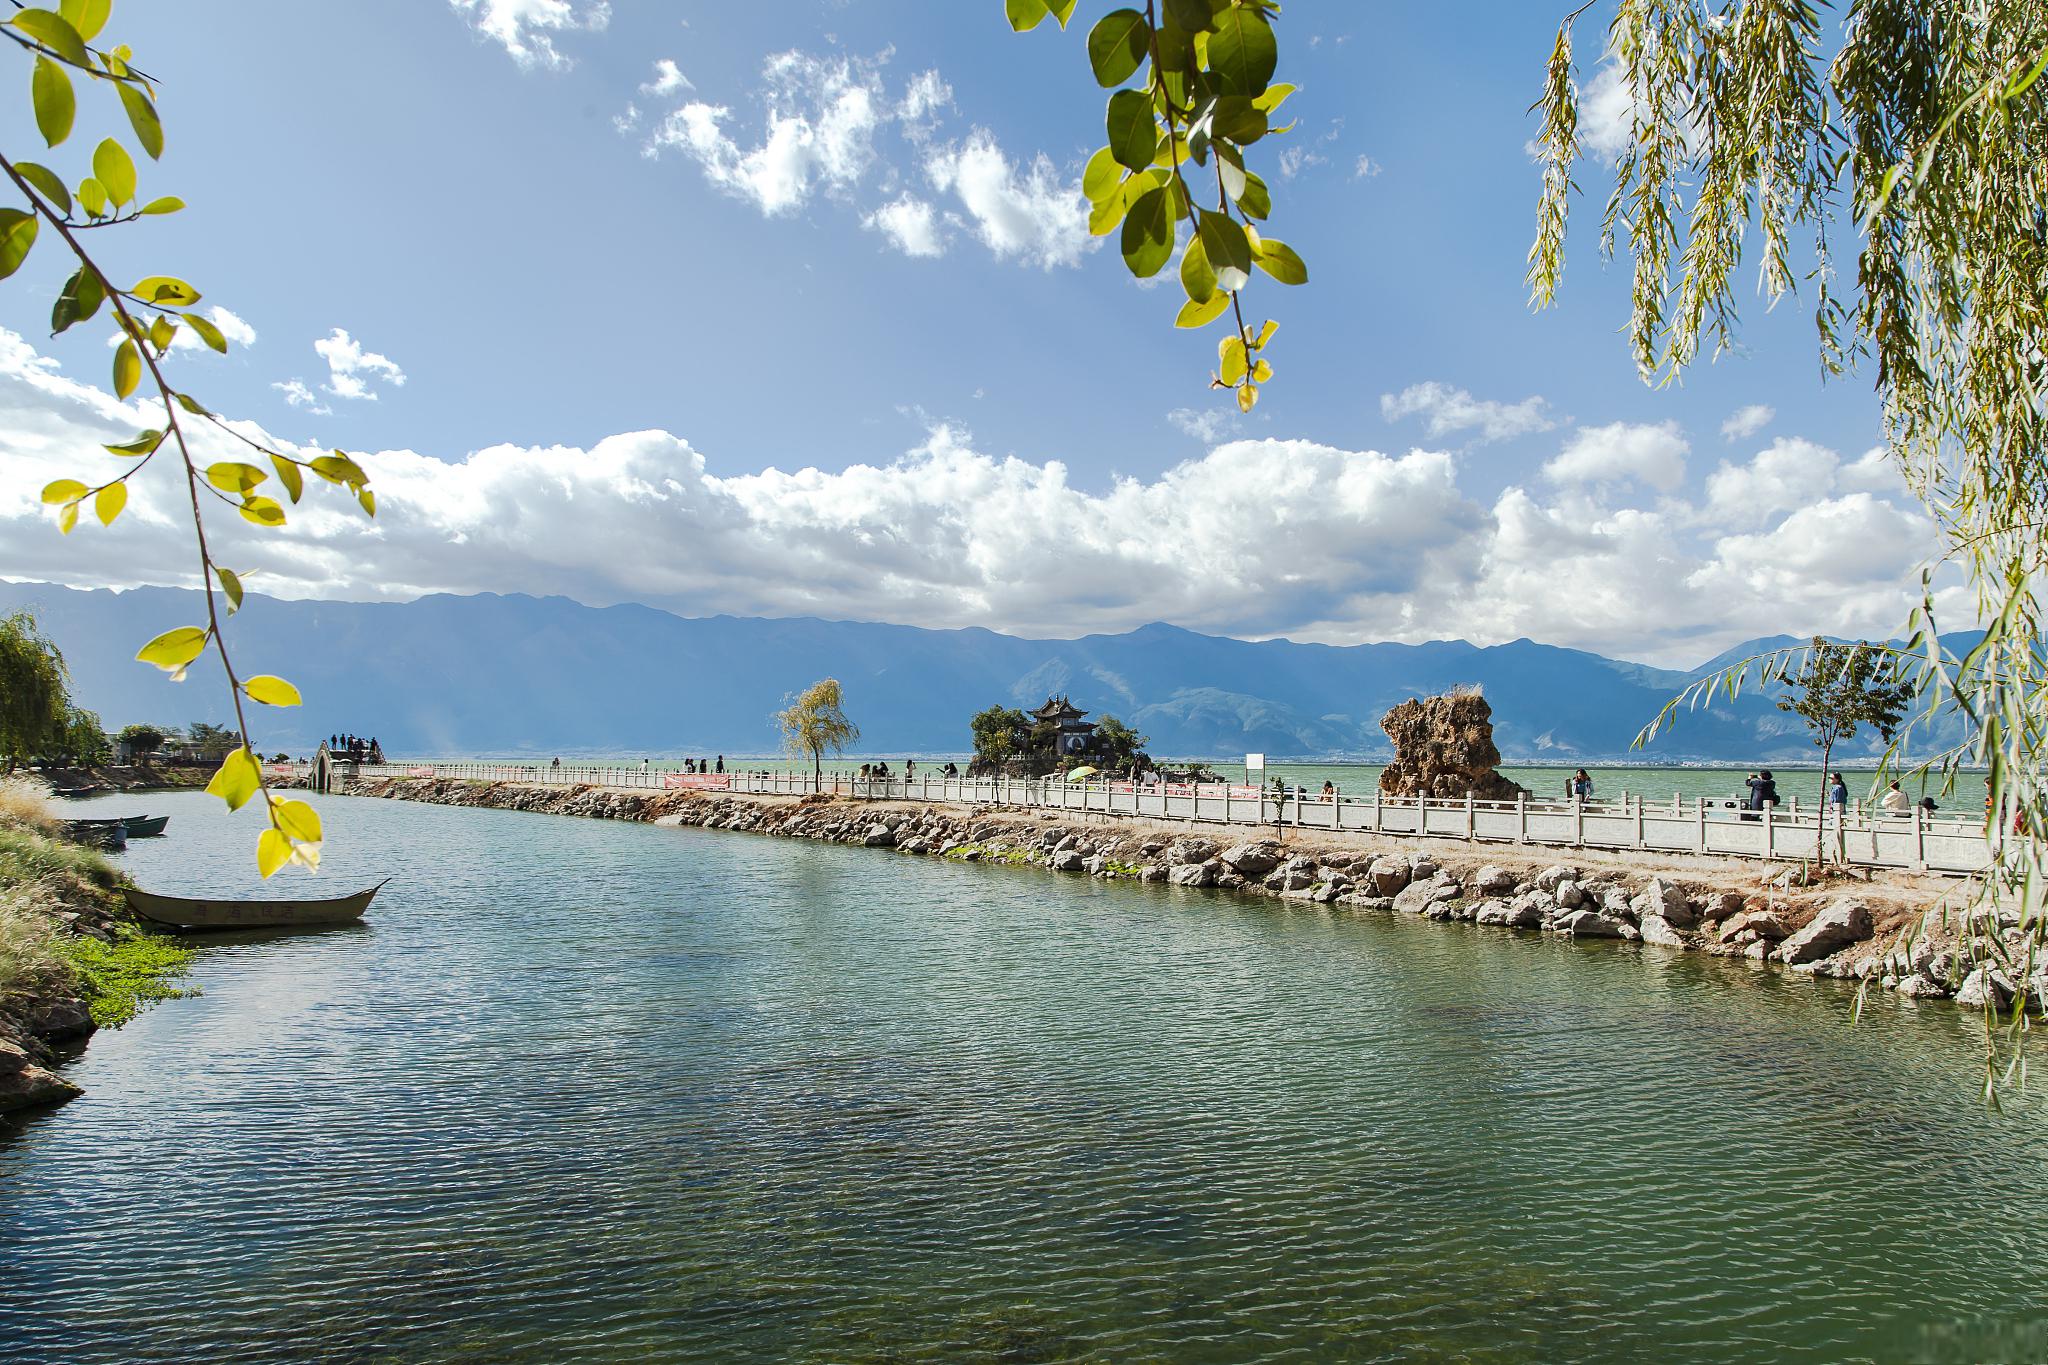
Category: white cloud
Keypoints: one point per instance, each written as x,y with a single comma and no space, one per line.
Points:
819,131
299,396
1030,213
350,368
1366,168
526,29
1254,537
911,225
1746,422
1446,410
1207,425
1622,452
1787,474
1296,159
922,100
668,79
1607,112
1873,472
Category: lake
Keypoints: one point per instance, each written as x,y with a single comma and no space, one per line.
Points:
604,1092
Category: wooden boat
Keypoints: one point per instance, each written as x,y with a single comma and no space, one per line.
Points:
146,826
106,834
180,912
75,793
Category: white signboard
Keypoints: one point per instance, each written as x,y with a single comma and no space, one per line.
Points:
1254,763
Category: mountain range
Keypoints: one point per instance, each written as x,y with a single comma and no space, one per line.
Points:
497,675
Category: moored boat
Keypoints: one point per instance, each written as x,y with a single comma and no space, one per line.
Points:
185,912
105,834
146,826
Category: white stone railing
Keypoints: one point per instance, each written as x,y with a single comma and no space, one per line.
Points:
1916,841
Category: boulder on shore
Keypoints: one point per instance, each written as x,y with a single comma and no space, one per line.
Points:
1833,929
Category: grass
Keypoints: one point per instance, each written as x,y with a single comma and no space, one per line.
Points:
44,878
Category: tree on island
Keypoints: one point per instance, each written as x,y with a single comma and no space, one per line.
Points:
1001,733
34,698
1119,747
1841,688
142,740
814,722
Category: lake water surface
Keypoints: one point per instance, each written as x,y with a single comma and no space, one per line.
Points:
593,1091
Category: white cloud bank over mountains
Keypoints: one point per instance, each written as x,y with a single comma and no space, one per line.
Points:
1254,538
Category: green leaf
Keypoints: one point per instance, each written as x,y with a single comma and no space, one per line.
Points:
68,518
17,235
115,170
1265,336
88,17
166,291
298,820
1194,16
142,118
1102,177
1230,356
174,649
232,476
367,500
1247,396
47,182
290,476
1277,259
63,490
193,405
87,293
169,203
162,331
53,31
1229,250
1062,10
1275,96
1025,15
107,504
1104,217
339,468
1257,200
271,690
273,850
144,444
127,369
231,584
1117,46
1148,234
1133,133
56,105
263,511
1238,119
92,197
208,333
1242,51
1202,314
237,779
1197,276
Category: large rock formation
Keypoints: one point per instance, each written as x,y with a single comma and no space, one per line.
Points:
1443,748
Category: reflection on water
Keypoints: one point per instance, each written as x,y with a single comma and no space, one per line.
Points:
603,1092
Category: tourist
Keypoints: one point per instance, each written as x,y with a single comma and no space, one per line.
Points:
557,763
721,763
1329,790
909,767
1838,794
1927,805
1895,802
1582,786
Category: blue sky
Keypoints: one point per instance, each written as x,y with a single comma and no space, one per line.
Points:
871,370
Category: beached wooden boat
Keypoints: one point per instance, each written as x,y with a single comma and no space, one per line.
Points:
146,826
107,834
181,912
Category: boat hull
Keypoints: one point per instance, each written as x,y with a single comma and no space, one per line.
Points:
181,912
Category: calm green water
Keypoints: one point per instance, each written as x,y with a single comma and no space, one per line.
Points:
586,1091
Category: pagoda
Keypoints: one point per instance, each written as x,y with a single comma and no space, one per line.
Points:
1072,736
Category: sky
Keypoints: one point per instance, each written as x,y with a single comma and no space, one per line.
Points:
789,308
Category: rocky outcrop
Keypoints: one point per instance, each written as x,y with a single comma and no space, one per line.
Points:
1443,748
24,1084
1833,929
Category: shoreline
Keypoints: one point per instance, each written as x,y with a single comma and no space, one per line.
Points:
1890,930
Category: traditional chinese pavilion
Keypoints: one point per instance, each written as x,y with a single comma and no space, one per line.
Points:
1073,735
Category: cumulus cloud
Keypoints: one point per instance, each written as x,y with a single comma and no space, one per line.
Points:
911,226
299,396
526,29
1446,410
1253,538
1606,112
350,368
1622,452
668,79
1027,213
819,129
1746,422
1787,474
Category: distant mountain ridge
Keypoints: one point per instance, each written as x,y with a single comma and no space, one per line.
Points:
518,675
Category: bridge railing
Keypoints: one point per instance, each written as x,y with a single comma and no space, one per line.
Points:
1863,837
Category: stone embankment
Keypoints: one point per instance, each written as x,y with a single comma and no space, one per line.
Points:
1888,933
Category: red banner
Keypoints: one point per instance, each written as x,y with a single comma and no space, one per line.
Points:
422,771
702,782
